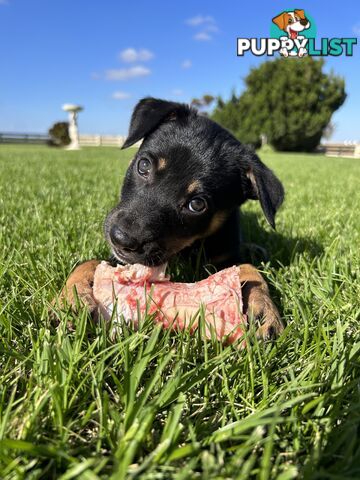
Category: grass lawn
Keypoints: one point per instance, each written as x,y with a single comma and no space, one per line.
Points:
160,405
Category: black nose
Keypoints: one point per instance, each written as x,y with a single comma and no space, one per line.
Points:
304,21
122,239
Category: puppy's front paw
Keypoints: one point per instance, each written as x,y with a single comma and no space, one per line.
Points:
80,295
78,291
258,304
270,321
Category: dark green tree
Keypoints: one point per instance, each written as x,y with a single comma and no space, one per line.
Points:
59,134
290,100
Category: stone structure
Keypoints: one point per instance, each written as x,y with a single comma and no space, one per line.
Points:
73,128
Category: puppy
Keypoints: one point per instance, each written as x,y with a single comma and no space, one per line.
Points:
292,23
185,185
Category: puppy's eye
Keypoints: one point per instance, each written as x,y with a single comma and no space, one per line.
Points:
144,167
290,20
197,205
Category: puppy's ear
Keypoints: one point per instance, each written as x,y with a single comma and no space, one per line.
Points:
301,13
264,186
281,20
148,114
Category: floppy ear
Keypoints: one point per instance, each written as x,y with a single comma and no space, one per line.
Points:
148,114
301,13
264,186
280,20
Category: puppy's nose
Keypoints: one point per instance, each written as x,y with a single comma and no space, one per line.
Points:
304,21
122,239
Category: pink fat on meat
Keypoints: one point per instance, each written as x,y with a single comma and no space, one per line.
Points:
131,289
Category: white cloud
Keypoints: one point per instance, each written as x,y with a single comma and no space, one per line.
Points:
356,29
131,55
121,95
177,92
202,37
200,20
207,24
186,64
127,73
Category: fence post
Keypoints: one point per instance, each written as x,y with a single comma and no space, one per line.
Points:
357,150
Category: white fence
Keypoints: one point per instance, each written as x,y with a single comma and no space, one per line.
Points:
330,149
104,141
101,140
85,140
341,150
36,138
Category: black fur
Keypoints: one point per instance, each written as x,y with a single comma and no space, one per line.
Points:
153,222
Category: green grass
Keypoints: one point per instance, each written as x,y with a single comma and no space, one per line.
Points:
159,405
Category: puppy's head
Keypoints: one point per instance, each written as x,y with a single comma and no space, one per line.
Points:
185,179
292,22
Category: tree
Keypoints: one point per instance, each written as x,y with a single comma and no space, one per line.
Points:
203,103
290,100
59,134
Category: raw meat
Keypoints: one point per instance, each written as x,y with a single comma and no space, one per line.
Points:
134,289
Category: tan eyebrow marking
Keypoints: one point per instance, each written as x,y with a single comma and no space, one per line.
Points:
162,163
193,186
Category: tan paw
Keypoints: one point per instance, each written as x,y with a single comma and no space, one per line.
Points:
270,320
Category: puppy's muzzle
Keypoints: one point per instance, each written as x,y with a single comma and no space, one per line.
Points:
121,240
129,249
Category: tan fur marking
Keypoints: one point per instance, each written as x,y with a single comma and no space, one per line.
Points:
175,245
193,186
162,163
216,222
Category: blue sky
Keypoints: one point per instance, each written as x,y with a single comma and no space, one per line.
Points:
106,55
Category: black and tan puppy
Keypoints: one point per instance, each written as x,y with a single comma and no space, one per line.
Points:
185,184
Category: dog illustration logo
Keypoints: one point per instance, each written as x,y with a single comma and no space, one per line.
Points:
292,23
